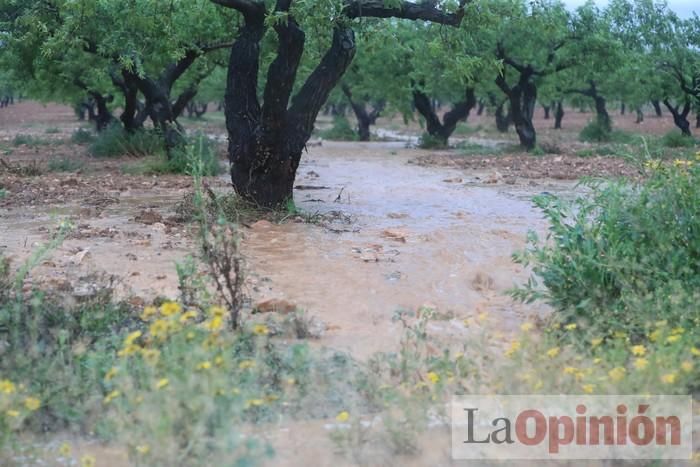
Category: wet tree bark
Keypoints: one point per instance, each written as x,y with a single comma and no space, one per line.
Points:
365,118
442,131
103,118
266,140
558,115
680,115
657,108
546,109
640,115
522,98
623,108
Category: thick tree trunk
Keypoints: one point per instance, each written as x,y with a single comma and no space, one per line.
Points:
503,120
657,108
522,97
546,109
623,108
697,119
442,131
602,112
640,115
365,118
680,116
558,115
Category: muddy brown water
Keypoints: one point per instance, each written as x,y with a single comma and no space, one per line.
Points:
392,236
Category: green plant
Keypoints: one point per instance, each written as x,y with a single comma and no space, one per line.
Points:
3,193
676,139
28,140
428,141
82,136
65,165
340,131
115,141
52,131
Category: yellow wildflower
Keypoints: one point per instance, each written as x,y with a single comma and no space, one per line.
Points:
596,341
143,449
588,388
687,366
162,383
246,364
343,416
170,308
159,328
617,373
433,377
514,347
204,365
150,356
669,378
188,315
7,386
597,360
678,330
641,363
111,373
32,403
569,370
526,327
260,330
538,385
218,360
481,317
111,396
673,338
65,450
571,327
638,350
695,351
148,312
254,402
12,413
553,352
620,335
661,323
87,461
131,338
215,323
291,381
128,350
653,164
217,311
654,335
189,336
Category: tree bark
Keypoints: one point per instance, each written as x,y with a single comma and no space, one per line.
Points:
480,109
546,109
558,115
522,97
365,118
697,119
640,115
680,116
442,131
602,115
623,108
657,108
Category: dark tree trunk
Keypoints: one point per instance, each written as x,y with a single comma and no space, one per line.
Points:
697,119
134,113
522,98
558,115
503,119
680,116
640,115
623,109
365,118
196,110
602,115
546,109
657,108
443,130
480,109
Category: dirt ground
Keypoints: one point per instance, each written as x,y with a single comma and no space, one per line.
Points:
401,228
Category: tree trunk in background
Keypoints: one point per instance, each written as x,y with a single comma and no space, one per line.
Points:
442,131
680,116
480,109
546,109
657,108
697,119
602,112
558,115
365,118
623,108
640,115
522,98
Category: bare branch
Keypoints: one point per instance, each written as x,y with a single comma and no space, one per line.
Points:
406,10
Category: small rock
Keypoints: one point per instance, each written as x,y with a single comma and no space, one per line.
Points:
494,177
77,258
395,234
149,217
453,180
271,305
261,225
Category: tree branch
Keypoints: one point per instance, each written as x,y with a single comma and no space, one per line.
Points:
249,8
406,10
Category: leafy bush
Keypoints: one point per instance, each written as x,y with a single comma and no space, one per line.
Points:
198,150
64,165
28,140
82,136
428,141
595,132
676,139
115,141
340,131
623,257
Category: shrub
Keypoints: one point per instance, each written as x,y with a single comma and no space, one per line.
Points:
624,257
198,150
676,139
115,141
82,136
64,165
595,132
340,131
428,141
28,140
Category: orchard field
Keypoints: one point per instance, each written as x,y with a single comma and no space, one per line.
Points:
247,232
